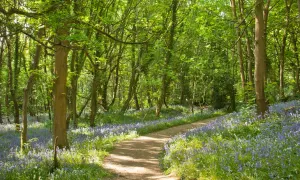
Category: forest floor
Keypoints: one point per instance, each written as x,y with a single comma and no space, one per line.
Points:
138,159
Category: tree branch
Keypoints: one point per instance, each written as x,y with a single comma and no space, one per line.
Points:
35,39
110,36
12,11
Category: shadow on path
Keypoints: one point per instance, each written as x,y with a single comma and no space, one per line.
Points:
137,159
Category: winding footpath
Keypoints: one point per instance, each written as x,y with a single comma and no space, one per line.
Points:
137,159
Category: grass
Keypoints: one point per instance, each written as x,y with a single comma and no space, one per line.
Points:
89,146
240,146
132,116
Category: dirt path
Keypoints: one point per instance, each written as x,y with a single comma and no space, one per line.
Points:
137,159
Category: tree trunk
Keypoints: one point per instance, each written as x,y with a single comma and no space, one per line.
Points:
16,82
282,52
250,60
7,101
28,89
116,85
260,56
170,48
60,89
49,96
239,46
94,95
74,78
248,44
1,66
265,19
133,81
148,90
130,89
11,84
296,55
136,99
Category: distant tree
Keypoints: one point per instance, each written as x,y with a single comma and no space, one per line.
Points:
29,86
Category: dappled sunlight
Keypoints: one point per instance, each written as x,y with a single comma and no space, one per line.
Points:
138,158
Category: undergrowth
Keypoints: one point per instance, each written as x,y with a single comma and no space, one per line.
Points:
239,146
88,145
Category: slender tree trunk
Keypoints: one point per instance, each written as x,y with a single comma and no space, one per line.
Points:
28,89
104,94
260,56
136,99
95,86
77,64
250,60
265,19
94,96
116,85
130,89
165,77
1,64
149,101
84,105
133,80
49,95
248,44
7,101
73,113
16,82
11,84
296,55
282,51
239,47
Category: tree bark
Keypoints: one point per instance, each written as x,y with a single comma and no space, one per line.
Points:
28,88
60,89
260,56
